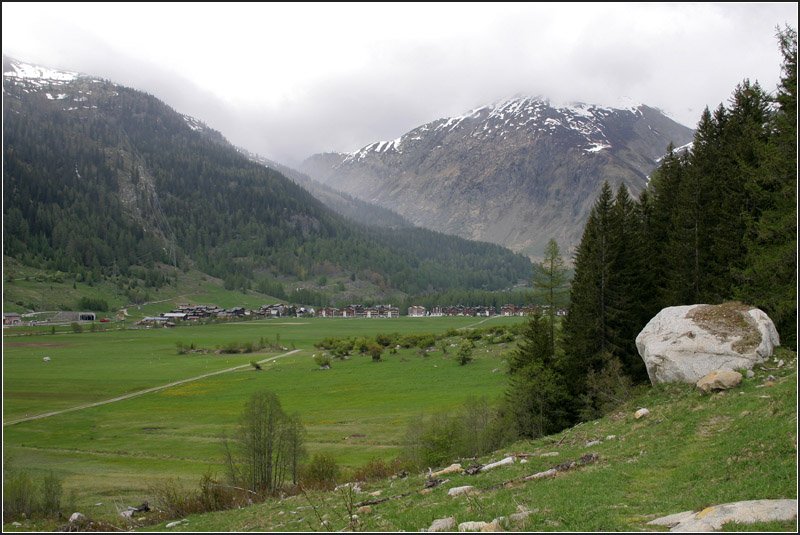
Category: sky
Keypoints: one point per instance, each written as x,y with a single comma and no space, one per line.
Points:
290,80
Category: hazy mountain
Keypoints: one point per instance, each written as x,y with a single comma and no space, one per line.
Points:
516,172
98,178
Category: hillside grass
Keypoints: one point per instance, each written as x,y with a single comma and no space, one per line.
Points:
112,454
693,451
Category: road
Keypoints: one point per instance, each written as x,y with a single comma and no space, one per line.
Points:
141,392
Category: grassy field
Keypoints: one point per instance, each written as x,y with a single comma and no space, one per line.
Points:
358,410
693,451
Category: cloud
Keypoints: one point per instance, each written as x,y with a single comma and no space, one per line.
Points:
290,80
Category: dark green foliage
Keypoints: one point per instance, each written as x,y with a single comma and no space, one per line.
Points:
95,304
769,277
465,352
536,399
549,282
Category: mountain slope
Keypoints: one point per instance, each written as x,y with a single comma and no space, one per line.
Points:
341,203
515,173
98,178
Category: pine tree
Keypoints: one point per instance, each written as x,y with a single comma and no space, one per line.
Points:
586,329
549,283
769,278
537,397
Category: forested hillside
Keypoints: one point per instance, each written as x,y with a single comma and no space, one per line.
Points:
99,178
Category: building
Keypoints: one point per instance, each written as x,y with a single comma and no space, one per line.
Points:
416,311
11,318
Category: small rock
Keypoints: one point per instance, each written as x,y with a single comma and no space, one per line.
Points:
505,462
540,475
641,413
364,510
452,469
771,378
611,437
549,454
750,374
519,517
719,380
472,526
425,491
376,493
126,514
46,359
443,524
76,517
592,443
176,523
524,461
16,524
458,491
781,363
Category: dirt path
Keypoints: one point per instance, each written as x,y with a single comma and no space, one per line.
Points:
141,392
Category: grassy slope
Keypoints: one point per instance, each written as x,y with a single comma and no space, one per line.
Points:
693,451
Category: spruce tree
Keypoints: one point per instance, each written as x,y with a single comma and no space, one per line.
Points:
549,283
586,328
769,278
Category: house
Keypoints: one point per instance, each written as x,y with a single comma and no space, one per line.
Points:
176,315
11,318
416,311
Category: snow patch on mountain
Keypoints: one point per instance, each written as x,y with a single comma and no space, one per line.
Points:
28,71
534,115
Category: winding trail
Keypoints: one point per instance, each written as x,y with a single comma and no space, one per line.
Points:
141,392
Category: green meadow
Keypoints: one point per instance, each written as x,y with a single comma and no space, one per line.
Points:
358,410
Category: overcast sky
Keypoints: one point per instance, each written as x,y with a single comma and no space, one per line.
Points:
289,80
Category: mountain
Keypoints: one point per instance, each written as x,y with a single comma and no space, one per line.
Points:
515,173
341,203
99,179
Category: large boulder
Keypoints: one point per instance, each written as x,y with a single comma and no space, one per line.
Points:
684,343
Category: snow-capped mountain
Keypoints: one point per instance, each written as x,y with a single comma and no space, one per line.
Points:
516,172
76,91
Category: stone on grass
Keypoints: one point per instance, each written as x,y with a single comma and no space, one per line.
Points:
452,469
592,443
505,462
458,491
684,343
541,475
719,380
76,517
641,413
443,524
746,512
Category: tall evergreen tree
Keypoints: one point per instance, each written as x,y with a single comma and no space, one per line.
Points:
769,278
549,283
586,328
536,397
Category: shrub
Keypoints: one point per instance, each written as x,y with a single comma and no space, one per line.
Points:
321,472
475,429
76,327
376,469
322,360
92,303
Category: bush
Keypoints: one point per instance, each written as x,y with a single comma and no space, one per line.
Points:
322,360
475,429
92,303
174,500
321,472
76,327
376,469
22,497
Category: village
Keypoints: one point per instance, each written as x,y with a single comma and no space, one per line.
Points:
195,313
